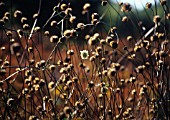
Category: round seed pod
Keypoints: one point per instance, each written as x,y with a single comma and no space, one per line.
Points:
35,16
113,44
53,23
26,27
51,85
148,5
104,3
63,7
72,19
156,19
67,110
15,48
24,20
86,6
17,14
54,39
52,67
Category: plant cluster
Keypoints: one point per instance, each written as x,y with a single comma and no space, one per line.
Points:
48,75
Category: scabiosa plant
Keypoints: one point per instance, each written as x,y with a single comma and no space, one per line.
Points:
72,63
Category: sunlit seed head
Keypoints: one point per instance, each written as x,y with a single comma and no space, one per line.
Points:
156,19
24,20
63,7
95,16
26,27
54,39
126,7
84,54
37,29
125,19
148,5
104,2
17,14
72,19
35,16
163,2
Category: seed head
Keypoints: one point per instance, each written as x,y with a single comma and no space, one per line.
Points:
156,19
126,7
17,14
148,5
54,39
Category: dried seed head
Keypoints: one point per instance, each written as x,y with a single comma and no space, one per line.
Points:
7,14
111,72
104,2
6,63
94,21
95,16
70,52
72,19
67,110
20,33
92,41
125,19
81,26
113,44
6,19
126,7
24,20
2,72
54,39
129,38
15,47
91,84
63,7
109,39
168,16
10,101
52,67
86,7
68,11
102,42
26,27
163,2
9,33
17,14
35,16
42,63
92,58
156,19
67,33
46,33
25,91
3,48
2,22
31,62
148,5
37,29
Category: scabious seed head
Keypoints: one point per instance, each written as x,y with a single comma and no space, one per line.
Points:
26,27
86,6
148,5
125,19
72,19
17,14
126,7
163,2
54,39
63,7
104,2
156,19
15,47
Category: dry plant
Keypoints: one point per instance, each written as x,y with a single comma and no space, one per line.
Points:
47,75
